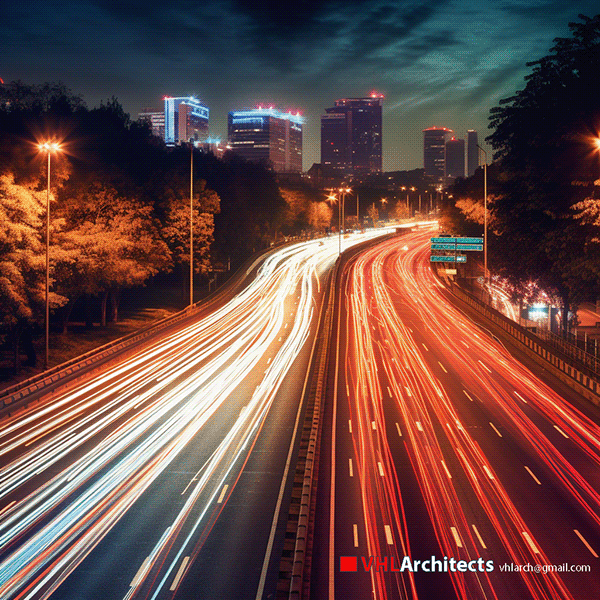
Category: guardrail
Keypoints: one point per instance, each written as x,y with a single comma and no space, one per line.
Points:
579,377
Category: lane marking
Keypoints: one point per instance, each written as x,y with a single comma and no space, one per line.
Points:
443,368
355,532
389,391
408,392
419,426
467,395
285,326
350,467
7,507
350,425
398,428
586,544
381,469
388,535
494,428
223,492
530,542
521,397
456,537
373,425
179,575
424,346
560,431
479,537
484,366
488,472
446,469
140,572
347,390
269,361
534,477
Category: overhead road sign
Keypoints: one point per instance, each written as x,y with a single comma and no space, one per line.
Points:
443,246
461,258
457,240
474,247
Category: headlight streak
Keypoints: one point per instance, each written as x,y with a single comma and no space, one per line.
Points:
421,397
179,382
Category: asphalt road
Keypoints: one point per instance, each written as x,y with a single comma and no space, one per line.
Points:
439,443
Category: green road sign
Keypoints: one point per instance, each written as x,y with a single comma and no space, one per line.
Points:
461,258
474,247
435,246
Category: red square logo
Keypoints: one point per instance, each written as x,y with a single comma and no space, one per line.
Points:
348,563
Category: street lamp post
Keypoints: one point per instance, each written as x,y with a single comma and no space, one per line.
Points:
191,222
485,269
47,147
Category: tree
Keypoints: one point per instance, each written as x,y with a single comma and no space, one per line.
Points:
22,261
542,140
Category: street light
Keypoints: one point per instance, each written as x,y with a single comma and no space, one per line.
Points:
191,221
340,200
485,270
48,147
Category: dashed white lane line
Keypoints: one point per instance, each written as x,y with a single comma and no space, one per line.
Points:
419,426
488,472
443,368
456,537
398,428
467,395
594,554
350,469
179,575
424,346
534,477
140,572
446,469
494,428
560,431
355,532
373,425
479,537
388,535
484,366
223,492
380,469
520,397
349,426
530,542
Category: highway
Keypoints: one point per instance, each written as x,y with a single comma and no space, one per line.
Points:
441,447
164,474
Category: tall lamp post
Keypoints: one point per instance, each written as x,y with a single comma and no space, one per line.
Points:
191,222
485,269
48,147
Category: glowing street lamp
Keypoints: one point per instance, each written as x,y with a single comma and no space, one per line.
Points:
49,148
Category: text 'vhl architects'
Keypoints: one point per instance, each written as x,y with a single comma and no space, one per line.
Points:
267,135
351,135
186,119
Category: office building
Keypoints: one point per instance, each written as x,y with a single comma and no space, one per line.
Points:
434,153
156,120
351,135
267,135
186,118
454,160
472,152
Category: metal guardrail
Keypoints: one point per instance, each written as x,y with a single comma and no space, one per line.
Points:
570,349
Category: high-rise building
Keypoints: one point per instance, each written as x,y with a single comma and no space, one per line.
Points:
156,119
434,153
472,152
269,135
454,161
186,118
351,135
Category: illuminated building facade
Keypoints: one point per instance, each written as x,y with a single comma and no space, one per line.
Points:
185,118
434,153
472,152
454,161
351,135
267,135
156,119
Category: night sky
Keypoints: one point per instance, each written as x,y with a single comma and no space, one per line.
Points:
443,63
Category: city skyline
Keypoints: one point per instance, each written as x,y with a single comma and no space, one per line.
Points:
437,63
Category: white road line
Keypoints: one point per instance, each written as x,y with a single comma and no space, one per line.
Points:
479,537
373,425
349,425
530,542
441,365
350,467
381,469
347,390
139,573
446,469
456,537
424,346
389,391
398,428
419,426
285,326
223,492
269,361
388,535
534,477
355,532
408,392
560,431
586,544
484,366
494,428
467,395
488,472
520,397
179,575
